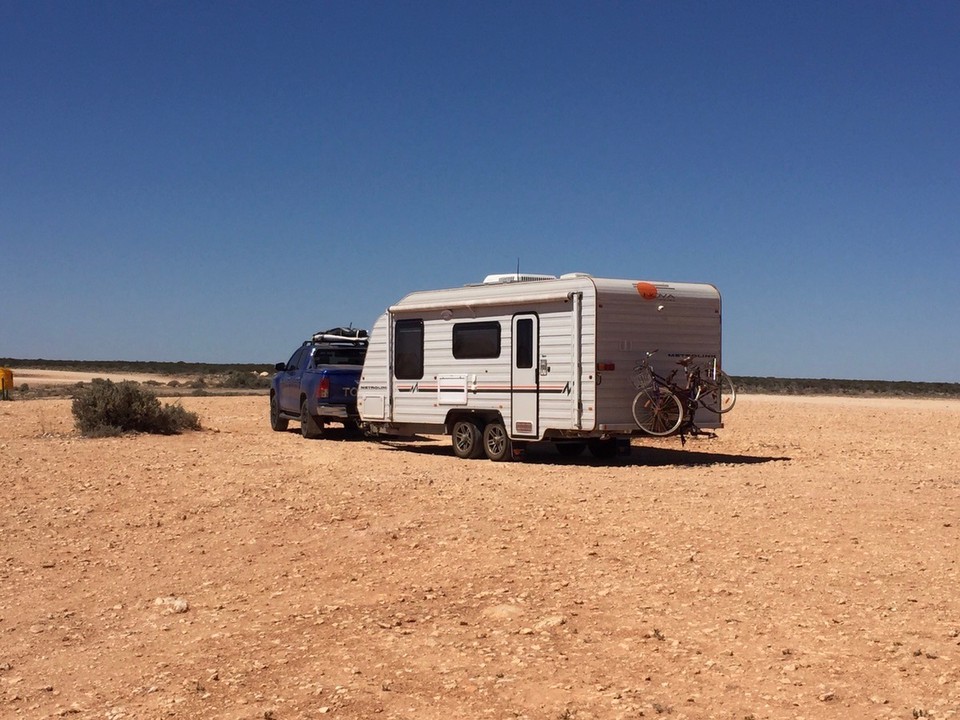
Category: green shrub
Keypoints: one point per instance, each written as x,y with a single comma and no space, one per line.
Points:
103,431
246,380
106,408
179,418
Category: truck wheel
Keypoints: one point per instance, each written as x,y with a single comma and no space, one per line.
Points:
276,422
496,443
310,427
467,441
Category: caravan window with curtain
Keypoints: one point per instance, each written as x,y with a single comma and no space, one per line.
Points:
476,340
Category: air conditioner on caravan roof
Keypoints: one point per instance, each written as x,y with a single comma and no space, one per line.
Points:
515,277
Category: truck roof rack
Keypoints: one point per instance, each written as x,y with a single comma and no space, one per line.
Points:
341,335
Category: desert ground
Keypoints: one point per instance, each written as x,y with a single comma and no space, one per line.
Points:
803,564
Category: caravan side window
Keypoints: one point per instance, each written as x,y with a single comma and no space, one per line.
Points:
408,349
476,340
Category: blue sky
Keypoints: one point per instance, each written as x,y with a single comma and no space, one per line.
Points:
213,181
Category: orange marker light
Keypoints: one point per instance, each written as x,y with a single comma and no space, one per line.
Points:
648,291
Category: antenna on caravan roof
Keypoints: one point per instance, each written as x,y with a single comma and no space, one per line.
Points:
518,267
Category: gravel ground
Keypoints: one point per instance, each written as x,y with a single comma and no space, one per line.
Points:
804,564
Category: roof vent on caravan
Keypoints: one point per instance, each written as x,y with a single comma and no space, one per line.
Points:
515,277
568,276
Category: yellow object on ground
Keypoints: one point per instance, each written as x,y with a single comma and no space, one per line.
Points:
6,383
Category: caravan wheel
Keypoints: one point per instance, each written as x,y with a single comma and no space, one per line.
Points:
467,441
496,443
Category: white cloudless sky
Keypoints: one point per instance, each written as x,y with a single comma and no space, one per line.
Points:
213,181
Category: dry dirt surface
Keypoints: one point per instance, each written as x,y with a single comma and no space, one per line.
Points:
804,564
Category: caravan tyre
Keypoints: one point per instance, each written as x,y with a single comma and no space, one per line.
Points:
496,443
467,440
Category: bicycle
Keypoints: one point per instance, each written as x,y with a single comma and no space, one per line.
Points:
656,408
711,386
662,407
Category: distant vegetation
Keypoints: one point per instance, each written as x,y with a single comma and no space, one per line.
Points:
209,378
186,378
151,367
860,388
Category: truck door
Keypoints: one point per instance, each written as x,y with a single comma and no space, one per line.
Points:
525,378
290,380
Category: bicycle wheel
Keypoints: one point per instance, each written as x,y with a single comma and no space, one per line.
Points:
718,395
657,411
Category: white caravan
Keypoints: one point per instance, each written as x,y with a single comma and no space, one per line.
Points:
518,359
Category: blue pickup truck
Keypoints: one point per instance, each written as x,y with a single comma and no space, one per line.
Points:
318,384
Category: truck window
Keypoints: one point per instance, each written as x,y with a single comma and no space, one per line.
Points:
408,349
294,362
339,356
476,340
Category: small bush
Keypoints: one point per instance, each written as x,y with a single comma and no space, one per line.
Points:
103,431
245,380
179,418
105,408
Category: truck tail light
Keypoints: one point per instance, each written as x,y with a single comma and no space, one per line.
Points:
323,388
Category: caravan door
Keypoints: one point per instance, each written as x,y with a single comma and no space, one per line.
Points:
525,378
